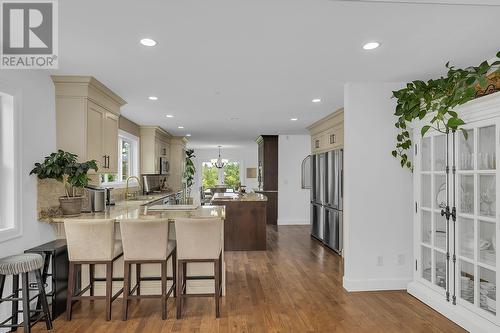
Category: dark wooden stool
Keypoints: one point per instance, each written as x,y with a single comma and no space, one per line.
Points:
23,264
55,256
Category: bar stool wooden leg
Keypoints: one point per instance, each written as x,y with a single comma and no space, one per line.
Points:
15,304
138,278
126,289
71,288
164,290
92,279
178,286
2,283
26,303
42,299
174,271
217,287
109,291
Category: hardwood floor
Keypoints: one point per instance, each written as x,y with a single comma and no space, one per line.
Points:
295,286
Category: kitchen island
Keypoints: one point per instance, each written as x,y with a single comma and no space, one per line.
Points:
245,220
139,209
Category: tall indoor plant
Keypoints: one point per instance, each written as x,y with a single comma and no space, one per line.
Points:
189,171
63,167
438,97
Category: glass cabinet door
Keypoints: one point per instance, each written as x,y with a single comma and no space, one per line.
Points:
476,228
433,196
477,220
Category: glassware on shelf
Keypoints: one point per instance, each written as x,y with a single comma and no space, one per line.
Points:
426,154
440,153
439,231
426,227
487,195
486,245
466,237
466,151
440,272
466,194
486,156
426,263
426,191
439,191
467,281
487,290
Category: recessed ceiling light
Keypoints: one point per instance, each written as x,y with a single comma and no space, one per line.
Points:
170,115
371,45
148,42
316,100
294,119
188,134
180,127
153,98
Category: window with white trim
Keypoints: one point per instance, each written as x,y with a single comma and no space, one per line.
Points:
128,160
9,169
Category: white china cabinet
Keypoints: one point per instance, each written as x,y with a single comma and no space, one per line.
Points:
471,276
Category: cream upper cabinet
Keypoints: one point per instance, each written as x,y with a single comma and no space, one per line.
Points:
110,142
95,130
87,114
328,133
155,143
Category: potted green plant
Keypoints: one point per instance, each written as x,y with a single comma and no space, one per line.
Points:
189,173
63,167
438,97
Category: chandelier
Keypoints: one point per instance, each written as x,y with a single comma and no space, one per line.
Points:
219,163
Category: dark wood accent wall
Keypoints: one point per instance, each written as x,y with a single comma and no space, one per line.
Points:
268,174
244,225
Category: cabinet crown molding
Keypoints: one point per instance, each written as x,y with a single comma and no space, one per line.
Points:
337,117
80,86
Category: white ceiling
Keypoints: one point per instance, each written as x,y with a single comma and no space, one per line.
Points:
261,62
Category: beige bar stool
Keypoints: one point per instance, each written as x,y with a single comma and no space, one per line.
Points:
198,240
146,242
91,242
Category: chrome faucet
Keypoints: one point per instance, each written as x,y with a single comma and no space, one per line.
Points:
128,195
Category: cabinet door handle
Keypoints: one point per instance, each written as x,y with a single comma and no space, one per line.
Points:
316,144
107,165
332,138
105,159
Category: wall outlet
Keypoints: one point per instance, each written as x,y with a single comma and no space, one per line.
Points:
380,261
400,260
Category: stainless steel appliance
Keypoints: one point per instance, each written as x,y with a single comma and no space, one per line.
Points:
94,200
164,166
110,197
327,198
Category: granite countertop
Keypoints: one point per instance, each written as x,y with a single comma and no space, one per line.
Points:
138,209
236,197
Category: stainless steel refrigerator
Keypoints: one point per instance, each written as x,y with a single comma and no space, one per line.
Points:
327,198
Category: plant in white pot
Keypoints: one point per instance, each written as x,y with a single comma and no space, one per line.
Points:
63,166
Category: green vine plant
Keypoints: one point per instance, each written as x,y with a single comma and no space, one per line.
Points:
438,97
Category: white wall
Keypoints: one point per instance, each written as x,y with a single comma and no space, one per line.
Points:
377,193
245,154
38,140
293,201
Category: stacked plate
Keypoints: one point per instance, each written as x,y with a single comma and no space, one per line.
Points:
467,288
487,299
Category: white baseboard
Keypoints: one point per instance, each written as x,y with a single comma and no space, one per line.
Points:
293,222
456,313
374,284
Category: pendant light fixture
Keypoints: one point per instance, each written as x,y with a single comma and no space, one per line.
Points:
219,163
